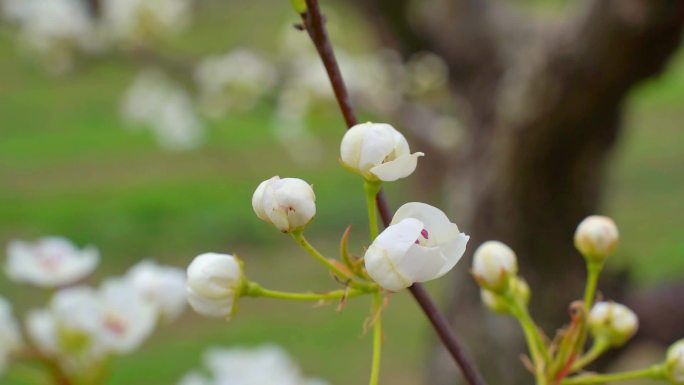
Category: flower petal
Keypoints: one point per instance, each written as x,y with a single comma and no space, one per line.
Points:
218,308
387,252
377,144
435,220
453,251
398,168
422,263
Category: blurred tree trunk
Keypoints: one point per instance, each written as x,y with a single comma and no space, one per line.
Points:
542,104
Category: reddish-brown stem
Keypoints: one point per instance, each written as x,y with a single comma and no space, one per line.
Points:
315,26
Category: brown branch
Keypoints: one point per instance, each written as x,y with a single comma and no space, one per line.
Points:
314,23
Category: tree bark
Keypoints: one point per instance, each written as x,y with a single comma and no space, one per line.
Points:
542,105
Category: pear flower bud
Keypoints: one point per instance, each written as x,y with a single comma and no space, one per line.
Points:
289,204
496,303
675,363
378,151
214,284
612,321
596,238
493,264
421,244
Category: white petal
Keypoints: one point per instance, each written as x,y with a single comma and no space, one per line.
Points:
214,275
387,252
377,144
350,147
453,251
258,198
398,168
383,270
219,308
422,263
436,222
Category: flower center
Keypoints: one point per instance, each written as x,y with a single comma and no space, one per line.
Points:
424,235
115,325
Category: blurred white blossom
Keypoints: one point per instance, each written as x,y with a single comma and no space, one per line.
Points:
55,29
265,365
10,335
145,20
163,286
83,325
165,108
49,262
233,82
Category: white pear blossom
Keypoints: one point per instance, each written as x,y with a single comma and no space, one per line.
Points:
675,362
153,101
289,203
10,335
214,284
49,262
233,82
143,20
597,238
421,244
89,324
127,319
613,321
493,264
163,286
265,365
378,151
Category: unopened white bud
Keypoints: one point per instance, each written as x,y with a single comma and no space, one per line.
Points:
377,151
493,264
289,204
675,363
596,238
214,284
612,321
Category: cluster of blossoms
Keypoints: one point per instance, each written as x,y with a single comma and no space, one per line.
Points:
264,365
419,245
82,327
610,324
59,30
422,244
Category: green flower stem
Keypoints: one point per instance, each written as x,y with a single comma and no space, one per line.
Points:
599,347
535,343
301,240
255,290
656,372
377,338
593,272
372,188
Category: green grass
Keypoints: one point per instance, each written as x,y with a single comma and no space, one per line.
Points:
68,167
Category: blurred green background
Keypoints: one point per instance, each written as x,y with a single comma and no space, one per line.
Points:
67,167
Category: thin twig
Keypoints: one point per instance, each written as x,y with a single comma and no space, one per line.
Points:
314,25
